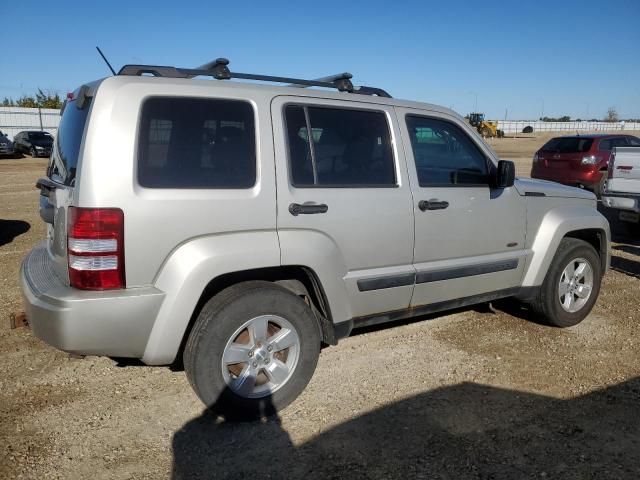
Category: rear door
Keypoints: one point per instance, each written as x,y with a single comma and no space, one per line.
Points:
470,238
344,201
57,189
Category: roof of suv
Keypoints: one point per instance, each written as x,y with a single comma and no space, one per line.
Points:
180,83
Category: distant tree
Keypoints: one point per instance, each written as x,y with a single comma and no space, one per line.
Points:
41,99
612,115
27,102
564,118
47,100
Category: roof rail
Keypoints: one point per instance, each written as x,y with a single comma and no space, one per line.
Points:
219,70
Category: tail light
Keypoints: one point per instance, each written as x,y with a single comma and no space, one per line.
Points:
95,247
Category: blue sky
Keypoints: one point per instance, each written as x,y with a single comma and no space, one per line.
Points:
526,57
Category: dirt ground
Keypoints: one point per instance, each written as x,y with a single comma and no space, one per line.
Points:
482,393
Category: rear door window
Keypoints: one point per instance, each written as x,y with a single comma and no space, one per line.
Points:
196,143
605,145
633,141
338,147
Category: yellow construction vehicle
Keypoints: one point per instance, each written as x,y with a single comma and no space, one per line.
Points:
485,128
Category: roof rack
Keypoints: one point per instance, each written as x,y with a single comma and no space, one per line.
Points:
219,70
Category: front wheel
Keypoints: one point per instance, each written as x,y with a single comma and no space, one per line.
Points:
33,152
571,286
253,349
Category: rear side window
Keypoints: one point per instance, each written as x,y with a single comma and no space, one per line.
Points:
568,145
444,154
336,147
68,140
633,141
196,143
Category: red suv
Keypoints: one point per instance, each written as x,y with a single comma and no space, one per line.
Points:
579,160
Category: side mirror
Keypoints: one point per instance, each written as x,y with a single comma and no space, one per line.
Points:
506,174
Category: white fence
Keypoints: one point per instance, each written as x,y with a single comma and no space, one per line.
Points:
16,119
516,126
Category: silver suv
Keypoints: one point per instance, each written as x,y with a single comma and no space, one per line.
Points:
241,226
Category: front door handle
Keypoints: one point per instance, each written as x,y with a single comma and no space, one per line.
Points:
296,209
433,204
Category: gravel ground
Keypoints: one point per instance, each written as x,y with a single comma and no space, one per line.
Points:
478,393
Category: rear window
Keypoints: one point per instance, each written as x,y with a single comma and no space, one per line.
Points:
196,143
569,144
64,158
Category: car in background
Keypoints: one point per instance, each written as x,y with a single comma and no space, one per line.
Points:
34,143
6,146
579,160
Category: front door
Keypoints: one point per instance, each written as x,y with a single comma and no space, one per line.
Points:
344,201
470,238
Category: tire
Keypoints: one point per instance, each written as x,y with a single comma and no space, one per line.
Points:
485,132
548,302
33,152
221,331
598,188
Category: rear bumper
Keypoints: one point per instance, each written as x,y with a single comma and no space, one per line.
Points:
586,178
113,323
622,201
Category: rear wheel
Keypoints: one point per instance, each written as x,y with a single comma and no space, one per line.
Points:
598,188
253,349
485,132
571,286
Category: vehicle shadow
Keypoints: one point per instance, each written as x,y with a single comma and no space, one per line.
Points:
10,229
464,431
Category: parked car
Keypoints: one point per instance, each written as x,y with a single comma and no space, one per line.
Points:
6,145
34,143
241,226
622,191
578,160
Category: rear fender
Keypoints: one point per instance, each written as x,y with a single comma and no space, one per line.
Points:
188,271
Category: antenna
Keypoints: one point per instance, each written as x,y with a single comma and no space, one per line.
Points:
105,60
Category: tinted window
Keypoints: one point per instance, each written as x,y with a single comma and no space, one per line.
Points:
39,136
605,145
196,143
633,141
444,154
568,144
64,158
347,147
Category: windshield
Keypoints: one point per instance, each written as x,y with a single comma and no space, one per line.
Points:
569,144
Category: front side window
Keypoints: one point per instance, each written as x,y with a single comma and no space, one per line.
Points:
336,147
444,154
196,143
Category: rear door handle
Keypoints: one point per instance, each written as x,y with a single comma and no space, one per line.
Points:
296,209
433,204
